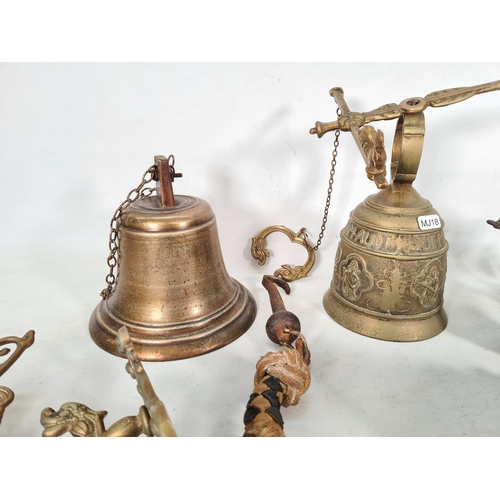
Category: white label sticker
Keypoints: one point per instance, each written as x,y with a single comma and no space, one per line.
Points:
426,222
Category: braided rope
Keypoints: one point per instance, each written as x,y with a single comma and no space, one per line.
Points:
280,380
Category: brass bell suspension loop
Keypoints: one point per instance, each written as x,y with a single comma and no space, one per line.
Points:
168,284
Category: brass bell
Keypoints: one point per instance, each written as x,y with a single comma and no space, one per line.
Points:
172,290
390,266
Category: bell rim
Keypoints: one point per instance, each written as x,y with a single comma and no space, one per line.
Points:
392,329
158,345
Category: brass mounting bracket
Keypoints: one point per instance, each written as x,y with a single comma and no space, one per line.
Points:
407,145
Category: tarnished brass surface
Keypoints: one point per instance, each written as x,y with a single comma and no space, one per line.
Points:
22,343
172,291
81,421
286,272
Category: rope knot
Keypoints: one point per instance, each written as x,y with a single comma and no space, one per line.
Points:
289,367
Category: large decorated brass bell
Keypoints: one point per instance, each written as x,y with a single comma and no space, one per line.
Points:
390,266
171,289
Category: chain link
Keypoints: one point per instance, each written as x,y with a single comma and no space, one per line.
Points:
114,240
330,184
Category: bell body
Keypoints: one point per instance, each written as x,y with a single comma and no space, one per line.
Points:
173,292
389,274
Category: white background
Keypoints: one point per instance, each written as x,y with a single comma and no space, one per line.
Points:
76,138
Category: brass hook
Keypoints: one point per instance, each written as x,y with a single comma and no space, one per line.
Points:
285,272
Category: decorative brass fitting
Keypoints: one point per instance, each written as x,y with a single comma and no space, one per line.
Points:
22,343
79,420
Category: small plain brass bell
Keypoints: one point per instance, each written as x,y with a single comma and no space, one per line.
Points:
171,290
390,266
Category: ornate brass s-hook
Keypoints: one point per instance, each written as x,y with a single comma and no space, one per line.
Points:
80,420
285,272
22,343
6,397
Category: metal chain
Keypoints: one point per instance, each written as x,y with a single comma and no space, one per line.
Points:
114,242
330,184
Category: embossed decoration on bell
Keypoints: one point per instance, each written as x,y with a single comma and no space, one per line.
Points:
389,275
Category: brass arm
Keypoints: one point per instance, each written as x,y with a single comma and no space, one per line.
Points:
412,105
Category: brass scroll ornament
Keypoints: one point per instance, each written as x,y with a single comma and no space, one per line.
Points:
80,420
286,272
390,266
22,343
